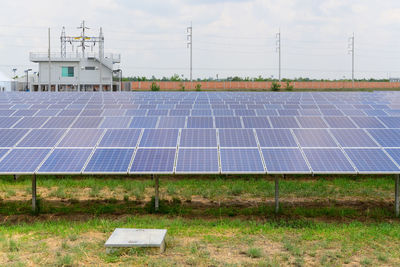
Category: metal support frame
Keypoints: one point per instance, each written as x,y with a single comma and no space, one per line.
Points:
156,192
396,196
34,204
276,193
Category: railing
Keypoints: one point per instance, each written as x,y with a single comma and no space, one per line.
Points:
42,56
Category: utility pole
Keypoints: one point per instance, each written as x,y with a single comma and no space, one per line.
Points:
190,45
83,37
49,86
278,49
351,51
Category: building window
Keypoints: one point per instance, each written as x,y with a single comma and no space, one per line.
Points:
90,68
67,71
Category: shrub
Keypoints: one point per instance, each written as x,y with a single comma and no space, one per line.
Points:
182,86
154,87
289,87
198,87
275,86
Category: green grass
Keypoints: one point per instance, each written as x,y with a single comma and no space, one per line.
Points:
211,220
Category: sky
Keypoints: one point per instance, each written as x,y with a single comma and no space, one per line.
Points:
230,37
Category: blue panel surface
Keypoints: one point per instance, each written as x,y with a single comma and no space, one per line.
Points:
284,160
197,160
367,122
81,138
386,137
256,122
371,160
311,122
3,152
31,122
314,138
110,160
200,122
65,161
42,138
150,160
59,122
395,154
328,160
143,122
22,160
7,122
340,122
120,138
353,138
245,160
237,138
391,122
172,122
283,122
9,137
198,138
115,122
87,122
228,122
275,138
159,138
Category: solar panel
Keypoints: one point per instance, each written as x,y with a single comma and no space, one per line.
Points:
9,137
114,112
256,122
311,122
237,138
386,137
31,122
197,160
391,122
6,112
81,138
314,138
152,160
159,138
244,160
198,138
353,138
172,122
70,112
275,138
340,122
329,160
179,112
109,160
22,160
87,122
65,161
8,122
283,122
3,152
47,112
143,122
228,122
201,112
367,122
372,161
59,122
200,122
115,122
284,160
25,113
120,138
41,138
395,154
91,112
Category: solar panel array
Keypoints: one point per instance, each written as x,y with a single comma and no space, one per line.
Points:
199,132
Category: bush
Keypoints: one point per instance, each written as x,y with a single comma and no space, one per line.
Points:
154,87
275,86
289,87
182,86
198,87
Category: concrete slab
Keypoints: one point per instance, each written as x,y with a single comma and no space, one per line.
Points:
130,237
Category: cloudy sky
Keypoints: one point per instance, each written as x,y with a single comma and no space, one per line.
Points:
230,37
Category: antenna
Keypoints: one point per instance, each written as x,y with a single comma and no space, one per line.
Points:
189,31
278,49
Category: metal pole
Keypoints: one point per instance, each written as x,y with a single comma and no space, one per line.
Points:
34,208
279,55
396,196
276,194
190,45
352,61
156,197
49,86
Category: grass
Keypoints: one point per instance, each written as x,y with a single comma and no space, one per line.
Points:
211,220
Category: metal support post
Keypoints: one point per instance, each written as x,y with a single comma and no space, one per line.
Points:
156,196
276,194
396,196
34,207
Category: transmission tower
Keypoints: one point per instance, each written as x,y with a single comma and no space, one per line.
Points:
278,50
189,31
351,51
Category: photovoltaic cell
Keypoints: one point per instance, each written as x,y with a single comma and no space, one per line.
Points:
65,161
151,160
87,122
198,138
31,122
81,138
110,160
115,122
395,154
284,160
371,160
311,122
200,122
59,122
353,138
314,138
197,160
367,122
245,160
329,160
42,138
172,122
7,122
228,122
9,137
340,122
275,138
391,122
237,138
159,138
22,160
283,122
143,122
120,138
3,152
386,137
256,122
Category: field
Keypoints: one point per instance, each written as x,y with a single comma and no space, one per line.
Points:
211,220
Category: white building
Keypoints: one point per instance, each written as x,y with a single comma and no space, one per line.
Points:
6,83
76,71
